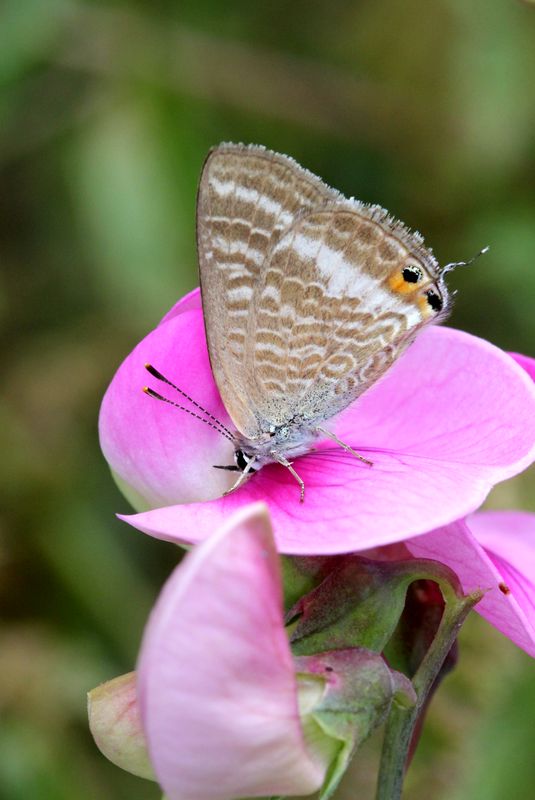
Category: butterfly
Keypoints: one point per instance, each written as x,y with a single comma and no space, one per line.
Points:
308,298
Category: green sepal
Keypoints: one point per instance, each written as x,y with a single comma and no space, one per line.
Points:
359,603
301,574
356,693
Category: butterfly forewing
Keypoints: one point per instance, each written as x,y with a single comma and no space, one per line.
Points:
247,198
304,297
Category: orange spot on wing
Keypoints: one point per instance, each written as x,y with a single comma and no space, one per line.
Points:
424,306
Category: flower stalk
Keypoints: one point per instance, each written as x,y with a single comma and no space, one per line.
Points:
402,720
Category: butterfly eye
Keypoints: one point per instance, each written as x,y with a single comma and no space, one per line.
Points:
434,300
412,273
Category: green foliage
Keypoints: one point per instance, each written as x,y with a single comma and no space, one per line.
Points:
106,113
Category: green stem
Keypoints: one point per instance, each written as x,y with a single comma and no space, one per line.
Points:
402,721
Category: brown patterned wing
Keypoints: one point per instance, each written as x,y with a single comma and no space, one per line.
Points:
248,197
344,292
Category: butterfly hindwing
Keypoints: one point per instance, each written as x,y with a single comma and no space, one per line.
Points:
326,321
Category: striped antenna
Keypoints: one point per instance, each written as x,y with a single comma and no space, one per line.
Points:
212,421
454,264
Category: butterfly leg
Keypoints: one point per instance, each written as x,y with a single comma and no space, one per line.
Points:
288,464
242,478
343,445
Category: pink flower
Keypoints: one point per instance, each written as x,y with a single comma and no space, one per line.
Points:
219,711
216,677
217,691
453,417
494,551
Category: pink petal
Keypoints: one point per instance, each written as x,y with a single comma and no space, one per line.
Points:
509,540
493,551
216,677
163,454
453,417
527,363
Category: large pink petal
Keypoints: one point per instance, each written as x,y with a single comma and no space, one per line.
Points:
159,453
494,551
453,417
216,677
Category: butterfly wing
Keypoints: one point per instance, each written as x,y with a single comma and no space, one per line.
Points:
248,197
344,291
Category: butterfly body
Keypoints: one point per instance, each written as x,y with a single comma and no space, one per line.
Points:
308,298
292,439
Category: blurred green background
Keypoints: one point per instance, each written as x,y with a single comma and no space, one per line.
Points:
107,111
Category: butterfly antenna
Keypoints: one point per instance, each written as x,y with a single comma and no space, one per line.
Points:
158,375
454,264
157,396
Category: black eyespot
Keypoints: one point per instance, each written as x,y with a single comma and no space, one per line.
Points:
434,300
412,274
242,459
